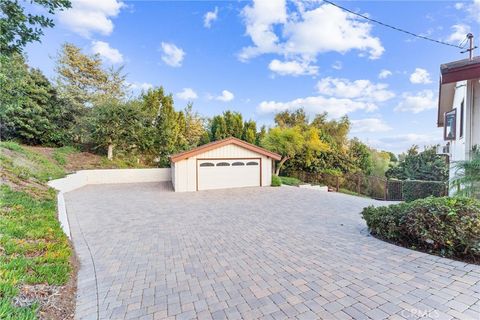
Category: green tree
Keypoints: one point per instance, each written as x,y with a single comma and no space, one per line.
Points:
116,126
81,80
194,127
361,156
218,128
234,124
250,132
18,27
30,108
291,118
415,165
290,141
260,135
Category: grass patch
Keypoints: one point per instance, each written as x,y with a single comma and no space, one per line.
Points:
351,193
290,181
27,164
34,248
60,154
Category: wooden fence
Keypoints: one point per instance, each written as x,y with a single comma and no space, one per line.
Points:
371,186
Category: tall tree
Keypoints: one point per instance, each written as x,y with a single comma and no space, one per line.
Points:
81,79
291,118
260,135
218,128
30,108
234,123
194,127
415,165
290,141
19,27
361,156
250,132
116,126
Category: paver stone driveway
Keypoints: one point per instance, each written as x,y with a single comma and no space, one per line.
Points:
268,253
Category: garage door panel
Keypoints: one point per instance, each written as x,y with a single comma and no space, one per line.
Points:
232,173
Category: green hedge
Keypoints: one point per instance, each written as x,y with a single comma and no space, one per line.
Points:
418,189
290,181
446,226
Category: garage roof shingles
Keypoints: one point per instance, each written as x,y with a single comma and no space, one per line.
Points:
218,144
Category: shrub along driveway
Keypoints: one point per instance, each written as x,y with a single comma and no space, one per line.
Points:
251,253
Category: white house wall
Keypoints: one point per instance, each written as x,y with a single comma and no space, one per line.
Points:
186,170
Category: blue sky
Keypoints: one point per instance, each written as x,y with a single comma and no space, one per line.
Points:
262,57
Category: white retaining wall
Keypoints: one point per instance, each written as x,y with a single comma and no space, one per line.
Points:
102,176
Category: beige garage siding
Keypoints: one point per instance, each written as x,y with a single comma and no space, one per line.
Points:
185,175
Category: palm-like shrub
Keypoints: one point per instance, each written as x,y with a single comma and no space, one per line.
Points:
467,176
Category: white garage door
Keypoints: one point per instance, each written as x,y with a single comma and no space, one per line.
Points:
232,173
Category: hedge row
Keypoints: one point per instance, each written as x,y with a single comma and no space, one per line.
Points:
418,189
446,226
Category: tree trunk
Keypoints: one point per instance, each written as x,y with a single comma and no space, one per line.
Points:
110,152
280,164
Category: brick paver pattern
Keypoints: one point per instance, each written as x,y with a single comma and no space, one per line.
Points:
253,253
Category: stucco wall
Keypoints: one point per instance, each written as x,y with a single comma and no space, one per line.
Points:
102,176
185,170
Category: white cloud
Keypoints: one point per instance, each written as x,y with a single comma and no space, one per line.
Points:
474,10
317,104
294,68
105,51
225,96
416,103
401,142
259,21
384,73
362,90
459,5
86,17
337,65
369,125
459,33
303,34
187,94
420,76
172,55
209,17
140,86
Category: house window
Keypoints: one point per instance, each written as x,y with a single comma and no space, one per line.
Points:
462,112
252,163
206,164
223,164
238,164
450,125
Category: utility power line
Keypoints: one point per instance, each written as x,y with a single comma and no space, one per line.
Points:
393,27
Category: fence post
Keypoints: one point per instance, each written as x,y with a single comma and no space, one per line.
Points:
358,184
386,190
337,183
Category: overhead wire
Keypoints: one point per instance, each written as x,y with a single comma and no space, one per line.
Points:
393,27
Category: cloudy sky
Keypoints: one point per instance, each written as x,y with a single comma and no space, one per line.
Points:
262,57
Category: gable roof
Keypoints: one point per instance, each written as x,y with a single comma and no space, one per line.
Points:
220,143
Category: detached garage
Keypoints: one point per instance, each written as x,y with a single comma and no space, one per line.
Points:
228,163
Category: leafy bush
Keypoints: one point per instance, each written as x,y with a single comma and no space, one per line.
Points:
276,182
447,226
417,189
290,181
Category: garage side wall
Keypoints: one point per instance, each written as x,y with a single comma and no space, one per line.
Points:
186,170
